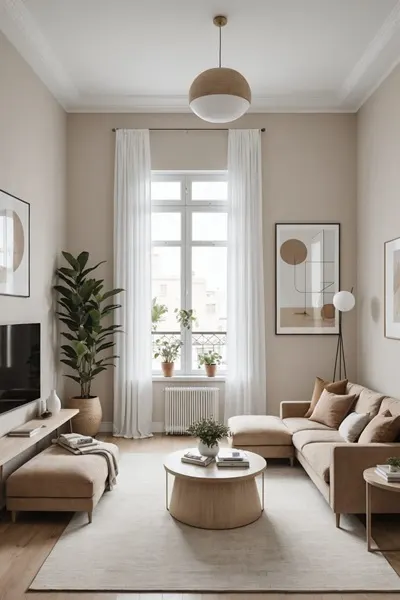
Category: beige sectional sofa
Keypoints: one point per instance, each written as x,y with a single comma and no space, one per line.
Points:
334,465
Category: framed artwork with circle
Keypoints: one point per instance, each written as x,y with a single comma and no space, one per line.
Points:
307,276
14,246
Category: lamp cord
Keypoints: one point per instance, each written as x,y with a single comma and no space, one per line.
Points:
219,56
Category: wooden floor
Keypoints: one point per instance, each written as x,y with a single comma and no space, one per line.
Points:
25,545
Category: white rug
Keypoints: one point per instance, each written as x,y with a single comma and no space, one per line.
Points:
134,544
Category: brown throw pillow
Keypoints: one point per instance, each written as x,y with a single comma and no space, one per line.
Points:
331,408
336,387
384,428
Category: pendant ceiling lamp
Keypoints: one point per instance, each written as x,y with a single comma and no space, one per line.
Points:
219,95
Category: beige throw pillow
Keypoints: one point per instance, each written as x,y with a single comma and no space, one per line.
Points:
352,426
336,387
384,428
331,409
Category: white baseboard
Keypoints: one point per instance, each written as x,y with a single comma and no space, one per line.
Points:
107,427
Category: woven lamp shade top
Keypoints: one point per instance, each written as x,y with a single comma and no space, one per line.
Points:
220,80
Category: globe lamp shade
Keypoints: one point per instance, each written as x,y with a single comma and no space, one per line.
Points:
220,95
344,301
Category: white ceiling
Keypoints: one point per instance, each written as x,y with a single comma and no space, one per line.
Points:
141,55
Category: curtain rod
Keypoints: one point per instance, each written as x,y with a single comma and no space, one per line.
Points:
186,129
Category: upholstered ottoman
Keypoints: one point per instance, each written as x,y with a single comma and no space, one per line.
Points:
263,434
57,480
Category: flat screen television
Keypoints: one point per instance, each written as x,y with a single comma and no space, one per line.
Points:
19,365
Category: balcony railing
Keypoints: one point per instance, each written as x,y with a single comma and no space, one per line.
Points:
202,341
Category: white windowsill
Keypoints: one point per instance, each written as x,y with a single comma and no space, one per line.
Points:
189,378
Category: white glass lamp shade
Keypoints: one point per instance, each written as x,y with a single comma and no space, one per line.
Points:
344,301
219,95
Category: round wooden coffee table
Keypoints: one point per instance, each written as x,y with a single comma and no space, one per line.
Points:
212,497
372,479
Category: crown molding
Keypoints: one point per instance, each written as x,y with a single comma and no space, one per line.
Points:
379,59
297,103
21,29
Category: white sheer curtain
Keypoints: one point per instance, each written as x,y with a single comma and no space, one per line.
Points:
132,271
246,380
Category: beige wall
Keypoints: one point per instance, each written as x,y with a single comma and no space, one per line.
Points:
309,174
378,222
33,167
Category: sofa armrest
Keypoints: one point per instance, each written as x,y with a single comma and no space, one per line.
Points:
293,409
347,485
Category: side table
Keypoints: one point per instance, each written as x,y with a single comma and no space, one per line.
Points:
372,479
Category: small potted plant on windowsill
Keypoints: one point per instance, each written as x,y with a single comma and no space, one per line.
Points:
210,360
209,432
394,464
168,351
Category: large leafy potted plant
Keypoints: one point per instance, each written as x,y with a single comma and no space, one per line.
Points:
84,309
168,351
209,432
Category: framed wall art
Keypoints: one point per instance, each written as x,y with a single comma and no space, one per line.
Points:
14,246
307,277
392,289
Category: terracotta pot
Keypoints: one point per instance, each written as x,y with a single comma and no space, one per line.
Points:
211,370
167,369
88,420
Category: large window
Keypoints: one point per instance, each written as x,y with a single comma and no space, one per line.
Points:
189,237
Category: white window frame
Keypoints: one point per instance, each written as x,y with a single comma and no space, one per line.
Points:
186,207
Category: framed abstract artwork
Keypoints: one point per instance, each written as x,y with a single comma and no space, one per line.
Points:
14,246
392,289
307,277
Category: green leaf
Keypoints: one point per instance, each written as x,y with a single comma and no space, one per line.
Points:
98,370
82,259
68,350
70,324
70,363
67,280
68,336
63,290
111,293
87,271
72,261
105,346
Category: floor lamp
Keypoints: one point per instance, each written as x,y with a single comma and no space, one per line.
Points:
343,302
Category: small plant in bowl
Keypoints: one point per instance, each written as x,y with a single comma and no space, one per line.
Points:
394,464
209,432
168,351
210,360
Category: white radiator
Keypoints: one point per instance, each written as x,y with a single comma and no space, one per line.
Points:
184,405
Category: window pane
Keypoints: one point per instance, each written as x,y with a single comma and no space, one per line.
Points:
165,227
165,190
166,287
209,291
210,227
209,190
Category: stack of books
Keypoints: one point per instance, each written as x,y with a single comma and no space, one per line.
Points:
232,458
25,431
193,457
76,443
383,471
